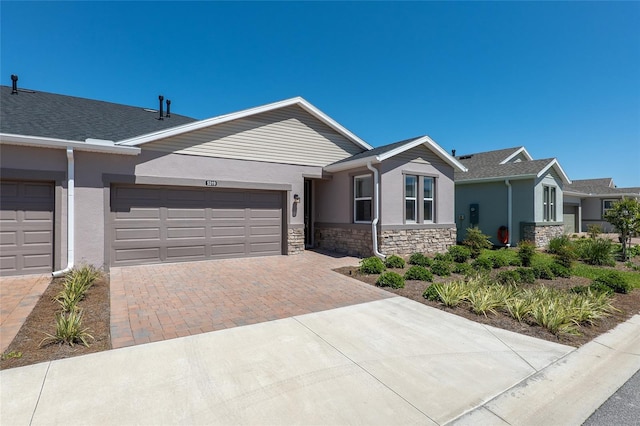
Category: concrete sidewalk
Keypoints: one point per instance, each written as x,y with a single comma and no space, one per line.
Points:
392,361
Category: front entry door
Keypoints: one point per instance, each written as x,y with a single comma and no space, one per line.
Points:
308,214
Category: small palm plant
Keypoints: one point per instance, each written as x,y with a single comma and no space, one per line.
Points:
68,330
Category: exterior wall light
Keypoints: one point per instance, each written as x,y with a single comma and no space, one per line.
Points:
296,198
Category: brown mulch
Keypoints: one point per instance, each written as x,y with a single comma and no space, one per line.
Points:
95,307
627,304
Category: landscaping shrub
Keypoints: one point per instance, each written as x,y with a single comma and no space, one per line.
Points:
371,265
498,260
443,257
431,292
441,268
559,270
452,294
594,231
462,268
390,279
482,264
68,330
557,243
420,260
526,251
597,251
508,277
459,254
514,260
484,299
543,272
565,255
75,285
634,251
615,281
418,273
394,261
527,275
476,241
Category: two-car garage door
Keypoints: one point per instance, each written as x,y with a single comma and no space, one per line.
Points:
153,224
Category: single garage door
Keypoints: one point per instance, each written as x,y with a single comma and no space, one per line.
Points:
26,227
152,224
569,218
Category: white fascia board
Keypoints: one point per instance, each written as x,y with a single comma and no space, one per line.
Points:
600,194
352,164
197,125
522,150
554,163
495,179
42,142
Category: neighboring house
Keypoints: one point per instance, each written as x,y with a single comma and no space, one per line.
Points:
586,200
507,188
147,187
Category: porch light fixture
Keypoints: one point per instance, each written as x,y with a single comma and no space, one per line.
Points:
296,198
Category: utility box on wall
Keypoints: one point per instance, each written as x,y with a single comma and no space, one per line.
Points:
474,214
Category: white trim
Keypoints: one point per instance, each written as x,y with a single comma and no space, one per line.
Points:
522,150
356,198
375,159
554,163
197,125
92,145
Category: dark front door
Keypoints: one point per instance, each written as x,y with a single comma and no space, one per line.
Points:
308,214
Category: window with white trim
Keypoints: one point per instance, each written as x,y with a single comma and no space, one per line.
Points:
549,204
362,196
410,199
607,205
419,199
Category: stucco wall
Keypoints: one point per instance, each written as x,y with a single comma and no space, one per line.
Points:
552,180
491,198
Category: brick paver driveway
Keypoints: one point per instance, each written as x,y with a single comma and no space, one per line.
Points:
158,302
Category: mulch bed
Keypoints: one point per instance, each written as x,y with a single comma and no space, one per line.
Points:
95,306
628,305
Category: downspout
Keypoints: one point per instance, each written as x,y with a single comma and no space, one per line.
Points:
509,210
376,211
70,214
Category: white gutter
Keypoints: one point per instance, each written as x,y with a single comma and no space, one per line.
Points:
509,209
92,145
70,215
376,210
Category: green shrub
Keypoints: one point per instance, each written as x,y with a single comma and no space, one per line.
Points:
515,260
390,279
594,231
476,241
543,272
443,257
484,299
634,251
599,287
459,254
482,264
68,330
498,260
597,251
420,260
527,275
462,268
419,273
452,294
441,268
75,285
431,292
558,243
526,252
371,265
615,281
565,255
559,270
508,277
394,261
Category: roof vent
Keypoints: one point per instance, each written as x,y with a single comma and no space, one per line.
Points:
168,109
466,157
160,98
14,84
453,152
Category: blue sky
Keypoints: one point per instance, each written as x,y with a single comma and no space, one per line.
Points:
561,78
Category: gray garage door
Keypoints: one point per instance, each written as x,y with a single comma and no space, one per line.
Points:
26,227
569,218
152,224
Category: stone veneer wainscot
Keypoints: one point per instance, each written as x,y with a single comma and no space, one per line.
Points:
295,240
540,232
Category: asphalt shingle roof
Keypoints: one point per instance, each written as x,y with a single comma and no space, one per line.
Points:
486,159
601,186
378,151
521,168
35,113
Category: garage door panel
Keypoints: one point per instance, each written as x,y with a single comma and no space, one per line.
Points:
26,217
191,224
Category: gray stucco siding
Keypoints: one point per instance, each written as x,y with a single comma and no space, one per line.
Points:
550,179
491,198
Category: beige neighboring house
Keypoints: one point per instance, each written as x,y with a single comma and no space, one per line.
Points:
586,200
114,185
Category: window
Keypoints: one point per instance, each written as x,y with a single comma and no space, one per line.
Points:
607,205
411,199
362,193
428,184
549,204
419,199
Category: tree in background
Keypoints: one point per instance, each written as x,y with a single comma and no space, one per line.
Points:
625,218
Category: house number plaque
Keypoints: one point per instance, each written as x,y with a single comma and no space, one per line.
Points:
211,183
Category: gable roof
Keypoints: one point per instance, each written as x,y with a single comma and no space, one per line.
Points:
599,187
497,165
379,154
50,115
197,125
